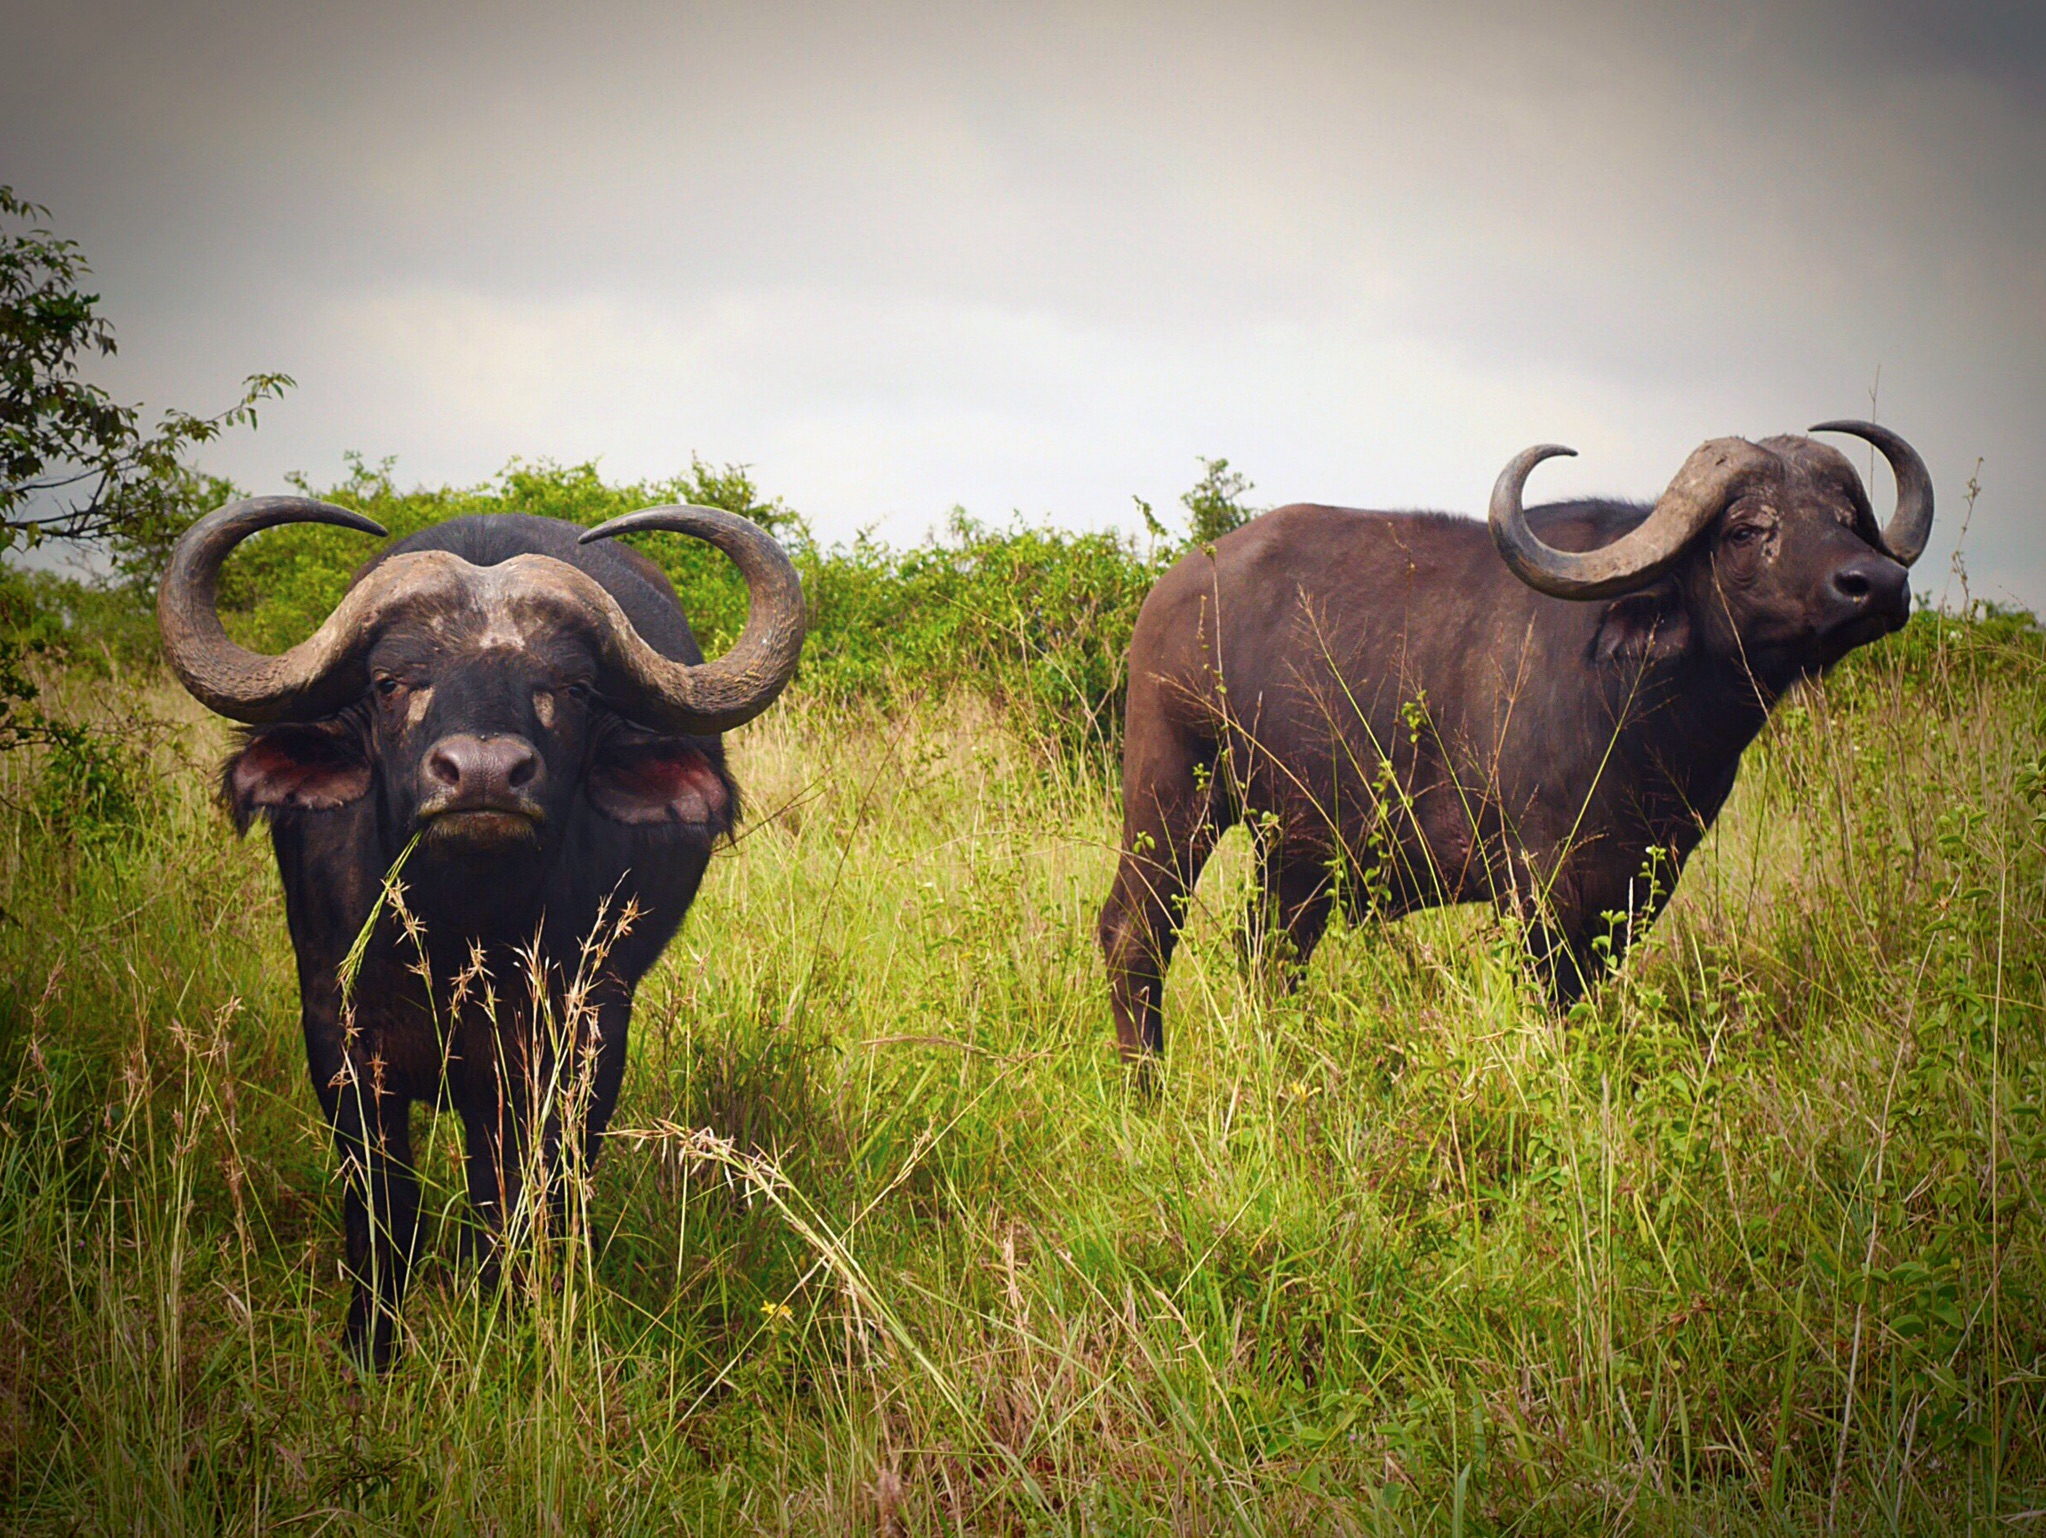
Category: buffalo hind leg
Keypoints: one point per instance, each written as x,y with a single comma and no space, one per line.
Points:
1172,814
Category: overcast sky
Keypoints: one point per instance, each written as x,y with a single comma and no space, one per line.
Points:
1036,259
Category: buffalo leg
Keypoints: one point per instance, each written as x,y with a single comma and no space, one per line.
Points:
1172,815
373,1133
501,1107
1569,962
1294,898
613,1022
1574,950
493,1102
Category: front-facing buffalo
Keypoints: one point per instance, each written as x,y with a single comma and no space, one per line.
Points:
1404,718
528,713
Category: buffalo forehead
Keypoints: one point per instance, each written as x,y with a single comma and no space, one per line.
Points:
509,605
1818,472
507,627
490,639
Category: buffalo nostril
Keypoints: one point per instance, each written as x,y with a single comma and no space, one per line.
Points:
482,769
1851,585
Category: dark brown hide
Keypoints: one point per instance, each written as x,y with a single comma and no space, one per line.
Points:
533,710
1403,723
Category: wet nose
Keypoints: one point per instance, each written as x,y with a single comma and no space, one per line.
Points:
465,770
1872,583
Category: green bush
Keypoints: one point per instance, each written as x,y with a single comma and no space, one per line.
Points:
90,777
93,785
97,627
1038,618
1215,505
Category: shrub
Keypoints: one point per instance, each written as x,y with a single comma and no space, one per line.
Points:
1037,617
91,788
1215,505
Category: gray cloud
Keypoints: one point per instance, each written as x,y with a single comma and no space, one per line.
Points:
902,256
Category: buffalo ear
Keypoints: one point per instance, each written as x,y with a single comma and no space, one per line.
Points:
1649,626
293,768
645,779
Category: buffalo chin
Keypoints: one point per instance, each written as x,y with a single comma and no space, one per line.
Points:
480,832
1860,631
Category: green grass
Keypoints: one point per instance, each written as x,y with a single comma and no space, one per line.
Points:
1753,1244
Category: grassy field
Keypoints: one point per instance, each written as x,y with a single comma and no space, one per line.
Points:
888,1242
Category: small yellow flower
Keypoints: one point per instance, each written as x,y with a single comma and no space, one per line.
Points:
775,1315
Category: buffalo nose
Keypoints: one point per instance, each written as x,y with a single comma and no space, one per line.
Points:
482,771
1872,581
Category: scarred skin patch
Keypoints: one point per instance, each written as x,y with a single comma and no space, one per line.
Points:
504,631
417,706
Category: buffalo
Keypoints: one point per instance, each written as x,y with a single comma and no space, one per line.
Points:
517,710
1406,713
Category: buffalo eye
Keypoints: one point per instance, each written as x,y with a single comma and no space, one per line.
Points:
579,692
387,686
1744,534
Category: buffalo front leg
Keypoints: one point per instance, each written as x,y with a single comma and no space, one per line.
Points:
529,1106
493,1097
613,1019
1583,939
380,1210
1289,911
1171,819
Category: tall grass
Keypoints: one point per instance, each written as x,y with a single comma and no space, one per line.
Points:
884,1239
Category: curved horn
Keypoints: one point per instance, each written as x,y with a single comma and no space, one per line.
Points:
714,696
1910,526
1694,498
249,686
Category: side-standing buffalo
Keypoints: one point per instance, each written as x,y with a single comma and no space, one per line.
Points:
525,712
1407,713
